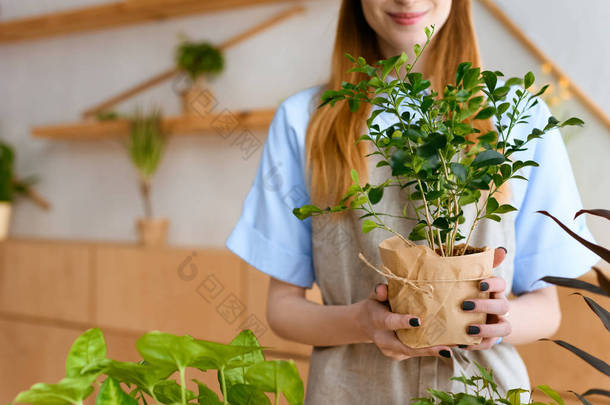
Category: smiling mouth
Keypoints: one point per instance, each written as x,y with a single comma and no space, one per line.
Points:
407,18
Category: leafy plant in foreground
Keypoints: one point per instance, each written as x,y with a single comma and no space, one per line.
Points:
429,151
482,389
243,373
603,289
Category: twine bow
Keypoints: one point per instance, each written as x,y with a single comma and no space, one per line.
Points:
384,271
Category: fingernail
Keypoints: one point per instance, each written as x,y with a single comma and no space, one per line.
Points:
484,286
473,330
445,353
467,305
414,322
462,346
503,248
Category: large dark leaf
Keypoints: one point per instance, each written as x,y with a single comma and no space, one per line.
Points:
603,281
574,283
596,391
597,212
598,364
598,250
582,399
599,311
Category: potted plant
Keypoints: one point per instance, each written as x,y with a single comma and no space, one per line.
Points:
146,145
197,59
10,187
7,157
431,156
244,375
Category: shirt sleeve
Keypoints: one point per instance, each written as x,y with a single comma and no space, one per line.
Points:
267,235
542,247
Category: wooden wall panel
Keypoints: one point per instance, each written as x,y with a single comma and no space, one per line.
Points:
173,290
45,279
29,354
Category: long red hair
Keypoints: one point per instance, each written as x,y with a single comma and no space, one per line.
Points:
332,131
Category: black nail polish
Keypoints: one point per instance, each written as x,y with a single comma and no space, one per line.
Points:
445,353
503,248
414,322
462,346
484,286
467,305
473,330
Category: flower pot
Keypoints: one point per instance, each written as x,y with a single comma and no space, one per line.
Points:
433,288
152,232
196,99
5,219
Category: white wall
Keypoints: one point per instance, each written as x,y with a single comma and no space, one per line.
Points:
203,180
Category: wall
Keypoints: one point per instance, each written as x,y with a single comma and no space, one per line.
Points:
203,180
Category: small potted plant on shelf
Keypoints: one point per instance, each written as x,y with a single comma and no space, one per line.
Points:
442,163
146,145
244,375
10,187
197,60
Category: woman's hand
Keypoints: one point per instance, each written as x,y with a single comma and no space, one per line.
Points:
496,308
378,323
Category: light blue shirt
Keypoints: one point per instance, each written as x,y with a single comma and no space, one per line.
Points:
271,239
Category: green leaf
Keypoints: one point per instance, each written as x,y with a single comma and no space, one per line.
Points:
242,394
528,80
206,396
111,393
493,217
441,223
355,177
551,393
485,113
572,121
169,392
504,208
278,375
488,157
143,375
68,391
492,205
514,396
443,396
237,375
368,226
306,211
459,170
375,194
86,349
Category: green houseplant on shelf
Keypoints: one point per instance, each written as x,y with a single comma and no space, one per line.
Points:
11,187
442,164
7,188
197,60
146,145
244,375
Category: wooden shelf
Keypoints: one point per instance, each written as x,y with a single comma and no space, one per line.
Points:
176,125
112,15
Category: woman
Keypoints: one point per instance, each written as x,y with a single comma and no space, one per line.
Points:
309,152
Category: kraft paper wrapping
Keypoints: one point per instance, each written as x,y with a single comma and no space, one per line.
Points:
438,286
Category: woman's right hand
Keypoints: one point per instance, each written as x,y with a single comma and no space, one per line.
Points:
378,323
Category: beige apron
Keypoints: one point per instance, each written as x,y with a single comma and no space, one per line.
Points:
360,373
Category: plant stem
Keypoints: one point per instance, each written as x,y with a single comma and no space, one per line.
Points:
182,386
223,385
145,191
277,391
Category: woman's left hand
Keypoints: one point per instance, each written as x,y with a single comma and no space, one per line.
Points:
496,308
